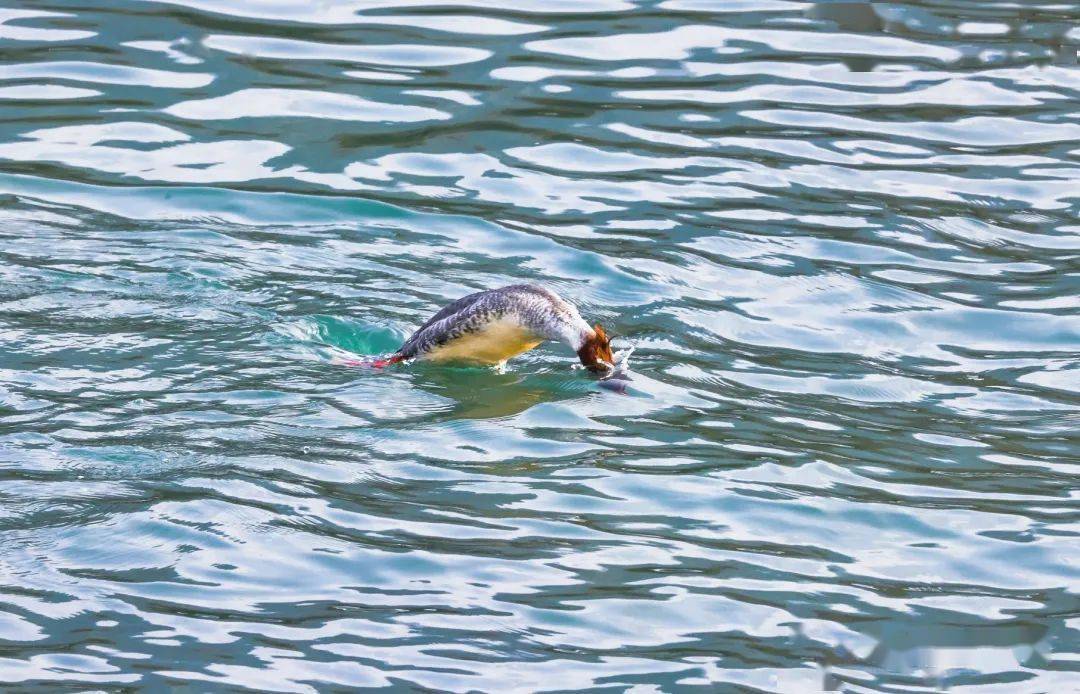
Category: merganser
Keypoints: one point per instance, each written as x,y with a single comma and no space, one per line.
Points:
492,326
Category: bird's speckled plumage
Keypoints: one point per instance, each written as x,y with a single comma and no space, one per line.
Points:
494,325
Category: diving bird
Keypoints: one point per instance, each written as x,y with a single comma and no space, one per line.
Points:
492,326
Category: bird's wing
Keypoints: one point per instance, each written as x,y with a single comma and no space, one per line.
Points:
423,334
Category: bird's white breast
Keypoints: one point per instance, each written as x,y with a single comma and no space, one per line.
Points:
493,343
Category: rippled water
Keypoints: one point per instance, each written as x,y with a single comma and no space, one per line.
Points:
843,239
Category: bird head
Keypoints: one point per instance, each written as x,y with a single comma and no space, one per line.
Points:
595,353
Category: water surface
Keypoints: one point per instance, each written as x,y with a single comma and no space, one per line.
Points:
843,239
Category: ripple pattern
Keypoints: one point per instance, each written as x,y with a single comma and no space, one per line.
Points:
843,238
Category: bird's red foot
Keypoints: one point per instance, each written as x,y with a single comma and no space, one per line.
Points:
372,363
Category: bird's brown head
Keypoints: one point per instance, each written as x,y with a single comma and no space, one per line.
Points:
595,354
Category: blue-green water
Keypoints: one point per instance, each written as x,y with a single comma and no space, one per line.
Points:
843,238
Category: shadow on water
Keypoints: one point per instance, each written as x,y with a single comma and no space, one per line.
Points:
484,393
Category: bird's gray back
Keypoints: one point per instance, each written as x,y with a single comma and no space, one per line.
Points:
538,309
